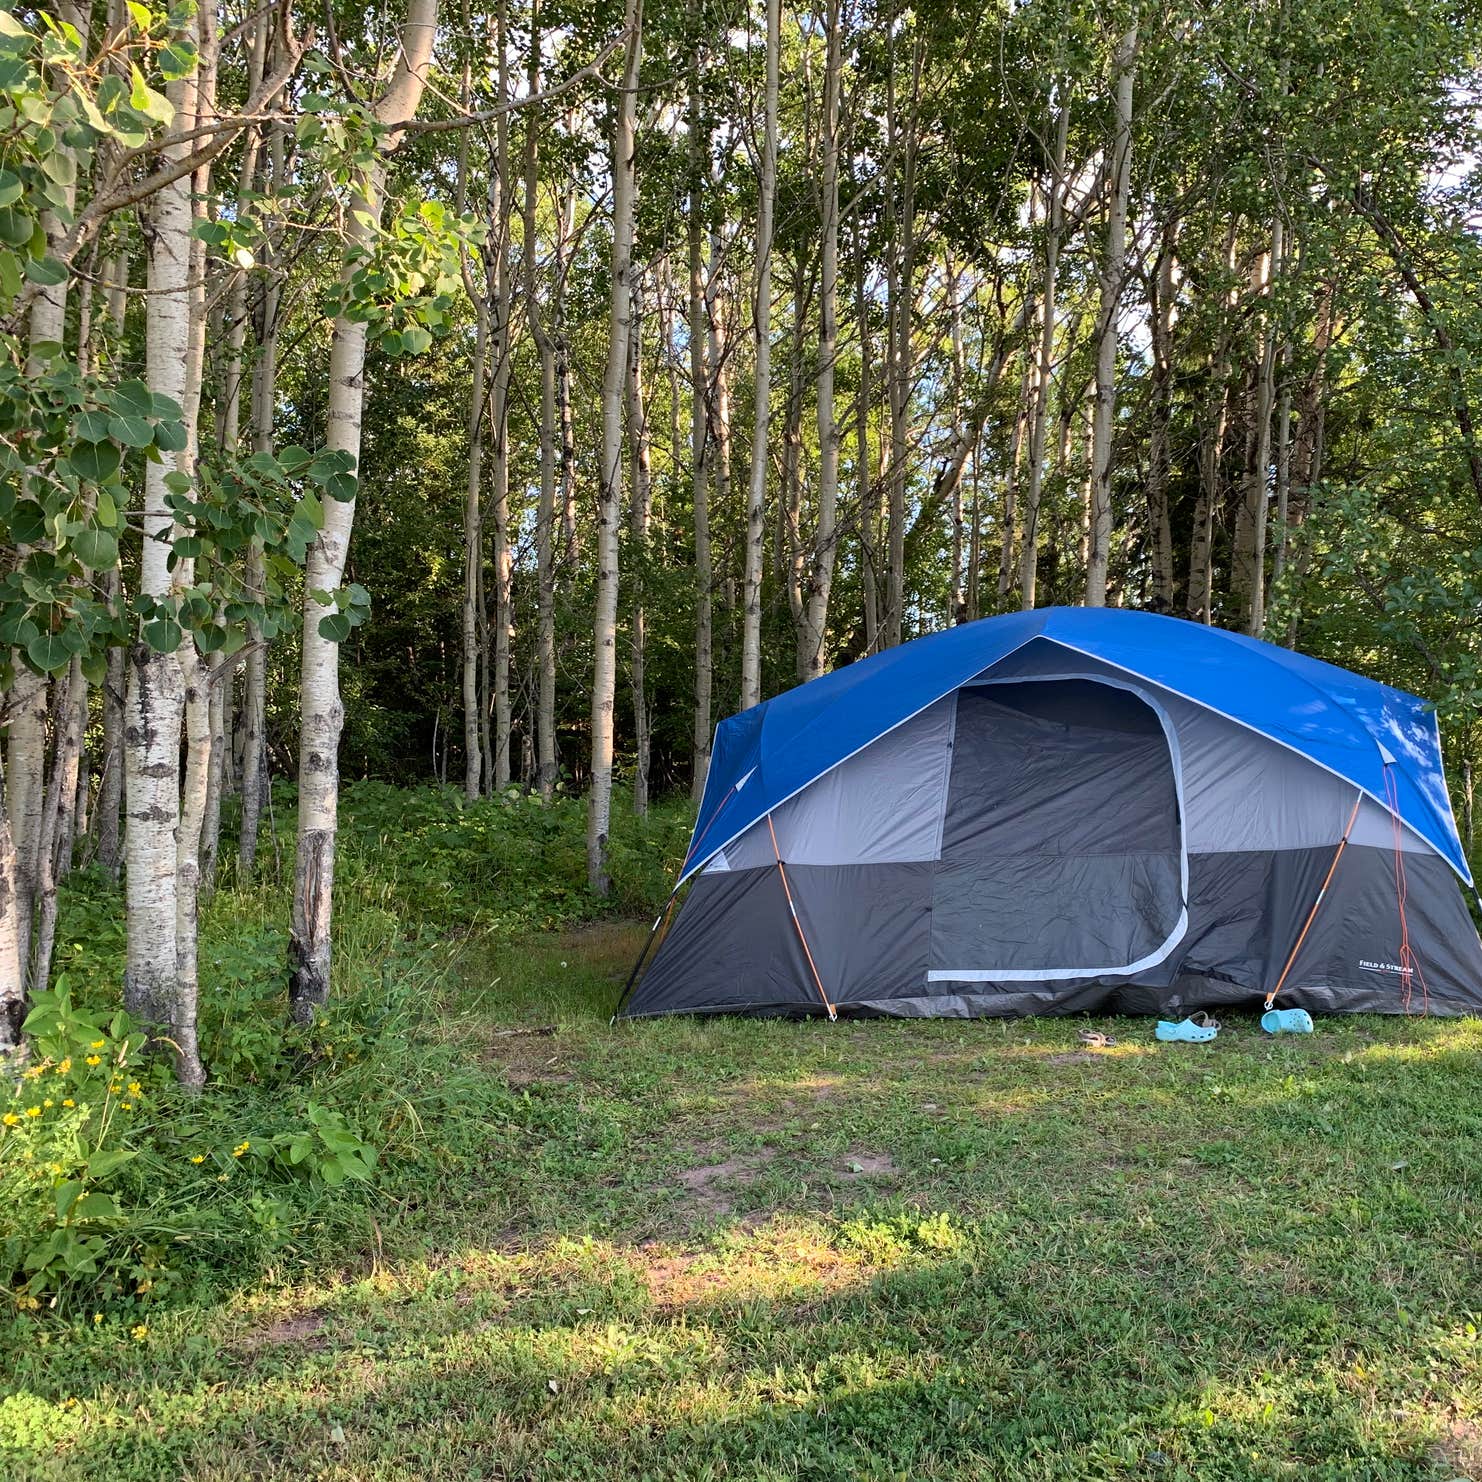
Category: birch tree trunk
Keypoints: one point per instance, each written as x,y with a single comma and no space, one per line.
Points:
641,510
813,639
1039,415
867,489
12,987
1249,575
609,513
111,781
756,493
1160,531
545,516
699,437
254,670
321,713
154,707
1113,269
501,204
473,556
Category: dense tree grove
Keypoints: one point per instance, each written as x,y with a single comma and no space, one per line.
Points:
505,395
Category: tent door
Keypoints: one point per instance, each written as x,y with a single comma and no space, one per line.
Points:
1062,847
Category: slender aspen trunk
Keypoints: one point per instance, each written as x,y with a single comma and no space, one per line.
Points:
472,632
12,988
640,512
545,516
957,595
1283,438
1113,270
791,518
756,515
867,489
154,707
501,205
900,306
699,435
1199,597
1007,555
1250,545
473,558
1039,416
1160,530
255,780
813,644
111,776
321,713
604,676
56,827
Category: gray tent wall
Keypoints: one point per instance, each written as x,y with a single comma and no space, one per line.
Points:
1060,836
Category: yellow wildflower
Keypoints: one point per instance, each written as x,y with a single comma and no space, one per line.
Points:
135,1089
139,1332
10,1119
33,1072
33,1111
94,1060
67,1101
97,1044
127,1105
27,1303
97,1318
65,1066
114,1087
240,1148
48,1102
199,1158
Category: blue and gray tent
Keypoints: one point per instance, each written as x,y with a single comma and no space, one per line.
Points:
1073,809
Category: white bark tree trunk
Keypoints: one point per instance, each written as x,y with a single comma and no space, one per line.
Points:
699,438
1113,271
1039,414
320,710
610,496
154,705
813,638
756,491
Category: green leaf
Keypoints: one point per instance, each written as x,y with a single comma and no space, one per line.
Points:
101,1164
49,653
163,635
67,1194
178,60
27,522
342,487
16,227
107,510
169,436
143,99
46,271
133,398
336,627
11,188
96,549
132,432
95,1206
95,461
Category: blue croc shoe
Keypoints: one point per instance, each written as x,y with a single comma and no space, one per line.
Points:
1197,1029
1286,1021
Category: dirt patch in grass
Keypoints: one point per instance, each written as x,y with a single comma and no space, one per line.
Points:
856,1166
704,1182
304,1329
1458,1450
528,1057
1073,1057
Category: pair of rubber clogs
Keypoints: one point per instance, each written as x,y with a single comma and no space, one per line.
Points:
1199,1029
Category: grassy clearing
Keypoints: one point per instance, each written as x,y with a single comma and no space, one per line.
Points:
768,1250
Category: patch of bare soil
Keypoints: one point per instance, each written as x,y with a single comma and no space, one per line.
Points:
705,1182
1073,1057
303,1328
528,1057
867,1165
1458,1451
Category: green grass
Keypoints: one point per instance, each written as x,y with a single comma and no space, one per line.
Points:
770,1250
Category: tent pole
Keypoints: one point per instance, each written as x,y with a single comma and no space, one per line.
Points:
653,931
1321,894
